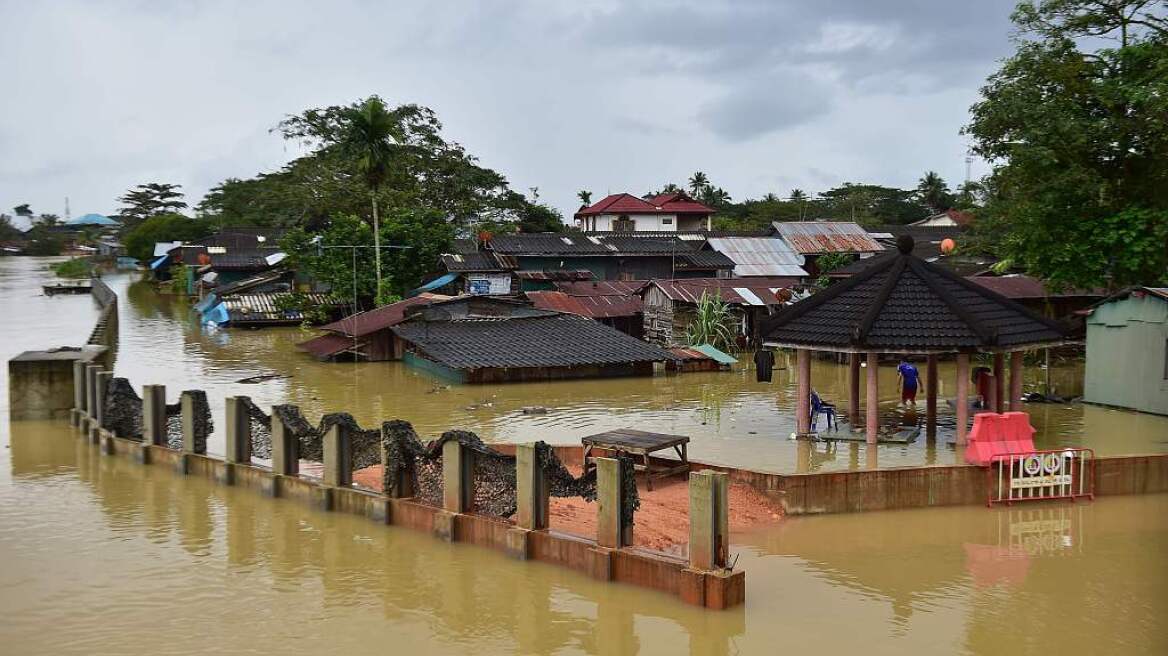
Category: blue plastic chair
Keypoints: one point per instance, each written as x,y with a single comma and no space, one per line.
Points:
821,407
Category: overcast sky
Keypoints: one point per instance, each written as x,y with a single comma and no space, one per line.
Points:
764,96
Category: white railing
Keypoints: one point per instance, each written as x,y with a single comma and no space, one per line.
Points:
1037,475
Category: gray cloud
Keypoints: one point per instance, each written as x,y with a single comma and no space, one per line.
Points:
609,95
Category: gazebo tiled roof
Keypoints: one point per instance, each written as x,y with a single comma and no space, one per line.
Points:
902,304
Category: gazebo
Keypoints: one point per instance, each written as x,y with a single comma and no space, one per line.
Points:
901,304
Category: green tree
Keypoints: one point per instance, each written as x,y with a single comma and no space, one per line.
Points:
1073,124
698,182
933,192
871,204
414,240
22,210
585,197
8,232
139,240
150,199
369,138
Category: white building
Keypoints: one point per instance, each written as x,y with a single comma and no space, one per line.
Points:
671,212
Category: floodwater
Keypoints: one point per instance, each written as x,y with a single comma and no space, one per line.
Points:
101,556
730,418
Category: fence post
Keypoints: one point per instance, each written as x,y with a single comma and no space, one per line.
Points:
79,396
154,415
238,431
708,519
285,449
611,529
337,462
91,397
101,385
457,477
190,445
531,489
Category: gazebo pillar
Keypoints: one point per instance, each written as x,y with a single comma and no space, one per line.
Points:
854,389
962,396
1015,404
999,383
931,397
872,404
803,392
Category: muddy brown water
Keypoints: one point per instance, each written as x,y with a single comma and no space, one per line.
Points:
98,555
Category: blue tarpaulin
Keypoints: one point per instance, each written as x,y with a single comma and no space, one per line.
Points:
441,281
159,262
209,301
217,315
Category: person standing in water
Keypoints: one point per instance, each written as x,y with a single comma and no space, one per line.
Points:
909,381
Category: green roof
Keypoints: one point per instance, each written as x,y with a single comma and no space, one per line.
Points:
715,354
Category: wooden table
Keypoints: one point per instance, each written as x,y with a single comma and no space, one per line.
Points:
639,443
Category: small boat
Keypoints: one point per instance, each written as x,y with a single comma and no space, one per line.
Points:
65,288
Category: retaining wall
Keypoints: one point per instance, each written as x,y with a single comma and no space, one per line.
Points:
105,331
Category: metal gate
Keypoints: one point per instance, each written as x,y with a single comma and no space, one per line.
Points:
1037,475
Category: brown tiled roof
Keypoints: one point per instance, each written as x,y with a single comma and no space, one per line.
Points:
903,303
544,340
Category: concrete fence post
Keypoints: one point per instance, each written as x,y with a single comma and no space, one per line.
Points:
238,435
612,531
338,470
102,380
188,424
457,477
154,415
80,398
285,449
709,523
91,394
531,489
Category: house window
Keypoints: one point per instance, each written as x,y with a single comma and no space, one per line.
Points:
667,221
624,224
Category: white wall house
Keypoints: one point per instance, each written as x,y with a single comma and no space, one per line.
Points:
627,213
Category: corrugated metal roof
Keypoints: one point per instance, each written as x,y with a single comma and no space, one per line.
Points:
365,323
556,274
1021,286
602,287
327,345
760,256
593,307
736,291
818,237
264,308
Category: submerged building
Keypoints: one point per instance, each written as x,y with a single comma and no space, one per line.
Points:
486,340
1127,351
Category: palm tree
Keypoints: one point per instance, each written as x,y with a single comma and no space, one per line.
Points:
933,192
585,197
369,138
799,196
697,182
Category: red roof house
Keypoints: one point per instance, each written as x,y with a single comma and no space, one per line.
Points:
670,212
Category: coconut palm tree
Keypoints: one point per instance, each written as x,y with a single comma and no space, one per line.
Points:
369,138
697,182
585,197
933,192
799,196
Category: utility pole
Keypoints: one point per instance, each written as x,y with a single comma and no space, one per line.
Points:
67,217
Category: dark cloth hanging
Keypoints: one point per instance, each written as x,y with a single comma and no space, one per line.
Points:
764,363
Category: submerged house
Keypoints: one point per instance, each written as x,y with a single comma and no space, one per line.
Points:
1127,351
509,264
615,304
671,305
487,340
813,239
365,336
669,212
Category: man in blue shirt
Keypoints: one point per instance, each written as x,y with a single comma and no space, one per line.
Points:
909,378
